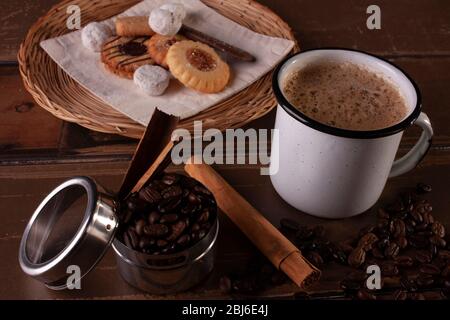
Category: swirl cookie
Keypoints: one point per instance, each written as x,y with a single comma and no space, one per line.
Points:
198,66
123,55
159,45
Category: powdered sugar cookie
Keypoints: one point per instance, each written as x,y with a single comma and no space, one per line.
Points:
94,35
164,22
176,8
153,80
198,66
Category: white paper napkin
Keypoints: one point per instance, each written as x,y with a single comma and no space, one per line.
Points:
86,68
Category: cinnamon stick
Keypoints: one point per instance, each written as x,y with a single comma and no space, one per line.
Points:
274,245
154,141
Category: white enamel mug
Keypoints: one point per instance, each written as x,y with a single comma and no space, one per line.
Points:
336,173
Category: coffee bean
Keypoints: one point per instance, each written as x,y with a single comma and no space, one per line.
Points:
416,215
194,199
204,216
195,227
140,224
172,192
408,284
428,218
154,217
383,243
423,188
156,230
345,247
184,240
350,285
188,209
357,257
438,241
446,271
400,295
396,206
399,228
416,296
315,259
289,224
304,233
168,218
170,179
433,249
161,243
150,195
438,229
444,254
389,269
168,205
377,253
418,241
404,261
430,269
402,242
367,241
364,294
177,229
391,250
422,256
146,242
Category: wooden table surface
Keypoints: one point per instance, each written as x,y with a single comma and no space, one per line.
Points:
38,151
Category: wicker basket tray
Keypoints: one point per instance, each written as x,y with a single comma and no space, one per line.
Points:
58,93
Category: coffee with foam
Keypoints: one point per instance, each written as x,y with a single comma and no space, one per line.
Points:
345,95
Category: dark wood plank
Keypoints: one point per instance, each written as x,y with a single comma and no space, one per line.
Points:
417,28
23,124
411,28
29,185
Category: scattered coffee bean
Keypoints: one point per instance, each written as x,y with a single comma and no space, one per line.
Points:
430,269
423,188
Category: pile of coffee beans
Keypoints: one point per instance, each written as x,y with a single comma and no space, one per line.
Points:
410,246
407,242
168,215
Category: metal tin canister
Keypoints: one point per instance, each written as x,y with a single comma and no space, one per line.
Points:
75,225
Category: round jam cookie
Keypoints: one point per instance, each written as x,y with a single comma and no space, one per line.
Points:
198,66
94,35
164,22
176,8
123,55
159,45
153,80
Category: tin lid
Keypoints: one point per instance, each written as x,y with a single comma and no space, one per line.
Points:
68,233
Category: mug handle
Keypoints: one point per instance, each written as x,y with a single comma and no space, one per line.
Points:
410,160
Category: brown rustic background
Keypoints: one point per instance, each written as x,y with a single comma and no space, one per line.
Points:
37,150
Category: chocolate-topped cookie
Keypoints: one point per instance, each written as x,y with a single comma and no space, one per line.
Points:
123,55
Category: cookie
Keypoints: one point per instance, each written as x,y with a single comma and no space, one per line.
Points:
153,80
123,55
159,45
165,22
94,35
198,66
136,26
176,8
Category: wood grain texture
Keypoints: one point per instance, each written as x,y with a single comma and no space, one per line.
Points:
316,24
21,190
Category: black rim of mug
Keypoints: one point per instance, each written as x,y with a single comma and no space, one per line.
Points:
357,134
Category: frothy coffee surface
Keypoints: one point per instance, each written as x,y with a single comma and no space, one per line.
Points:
346,96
